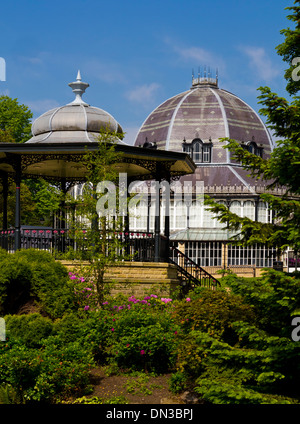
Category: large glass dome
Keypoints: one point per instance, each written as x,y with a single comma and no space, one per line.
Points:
208,113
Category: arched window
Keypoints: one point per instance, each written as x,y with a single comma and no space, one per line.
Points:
180,213
249,210
253,148
235,207
195,214
206,153
262,212
199,151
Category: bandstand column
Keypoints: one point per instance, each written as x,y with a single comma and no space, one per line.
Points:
63,204
18,177
167,220
157,239
5,196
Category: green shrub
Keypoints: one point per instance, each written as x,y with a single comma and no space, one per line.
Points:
236,374
213,312
45,375
229,393
31,329
138,335
178,382
8,395
275,298
35,275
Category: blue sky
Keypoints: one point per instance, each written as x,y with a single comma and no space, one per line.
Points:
135,54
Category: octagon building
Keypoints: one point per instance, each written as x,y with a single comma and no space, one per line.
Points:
194,122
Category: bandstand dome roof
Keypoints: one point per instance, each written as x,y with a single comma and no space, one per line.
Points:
206,112
74,122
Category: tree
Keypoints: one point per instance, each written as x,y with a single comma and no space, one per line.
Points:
46,199
15,125
282,168
96,230
38,197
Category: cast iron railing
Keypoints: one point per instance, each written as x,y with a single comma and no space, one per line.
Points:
190,273
136,246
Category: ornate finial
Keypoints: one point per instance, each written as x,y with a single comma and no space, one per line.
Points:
206,79
78,88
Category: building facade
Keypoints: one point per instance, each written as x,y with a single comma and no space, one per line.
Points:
195,122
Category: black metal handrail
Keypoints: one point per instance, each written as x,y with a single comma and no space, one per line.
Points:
190,272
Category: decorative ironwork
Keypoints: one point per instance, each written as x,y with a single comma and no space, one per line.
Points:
30,159
138,246
191,274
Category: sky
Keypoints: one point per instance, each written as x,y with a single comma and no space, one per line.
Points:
135,54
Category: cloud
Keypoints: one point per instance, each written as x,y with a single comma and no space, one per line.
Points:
196,54
41,106
143,94
260,62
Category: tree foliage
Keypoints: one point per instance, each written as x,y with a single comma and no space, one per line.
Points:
100,245
281,169
15,125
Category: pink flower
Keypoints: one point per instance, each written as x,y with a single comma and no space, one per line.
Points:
143,352
166,300
188,299
112,329
86,308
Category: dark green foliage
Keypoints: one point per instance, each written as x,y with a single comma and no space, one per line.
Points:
31,275
281,168
44,375
140,338
290,48
213,312
31,329
275,298
15,121
229,346
258,363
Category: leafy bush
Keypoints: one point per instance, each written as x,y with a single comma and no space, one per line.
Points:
275,298
137,334
143,334
213,312
178,382
34,275
227,374
45,375
31,329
